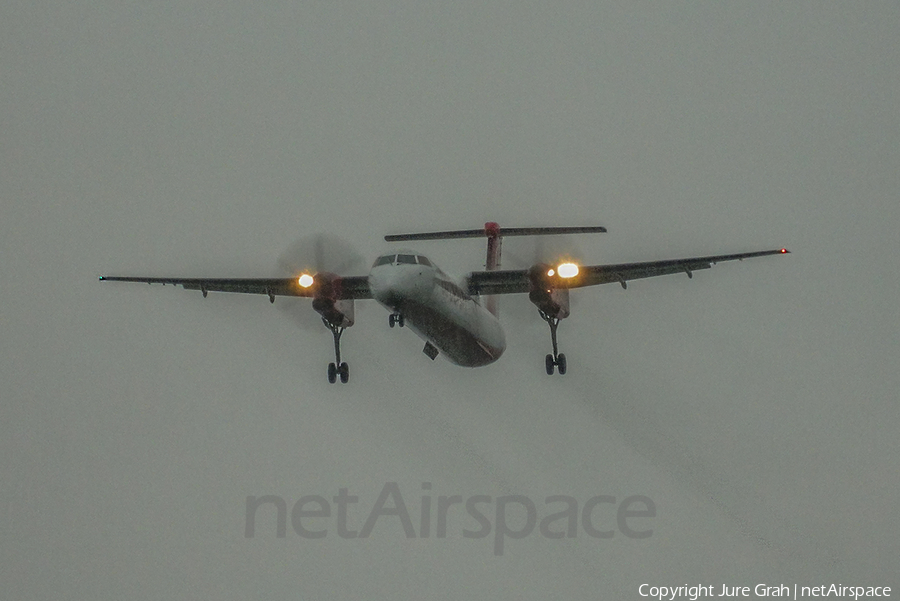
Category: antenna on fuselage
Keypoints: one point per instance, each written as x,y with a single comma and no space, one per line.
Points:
494,233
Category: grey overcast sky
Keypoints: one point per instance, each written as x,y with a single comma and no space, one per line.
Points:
756,404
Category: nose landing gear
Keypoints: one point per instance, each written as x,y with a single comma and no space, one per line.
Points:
557,360
395,318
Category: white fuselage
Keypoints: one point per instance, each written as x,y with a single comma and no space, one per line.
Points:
437,309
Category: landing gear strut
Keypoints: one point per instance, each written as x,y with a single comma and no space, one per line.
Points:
337,368
556,360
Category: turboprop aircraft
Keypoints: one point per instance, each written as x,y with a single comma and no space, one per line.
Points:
456,319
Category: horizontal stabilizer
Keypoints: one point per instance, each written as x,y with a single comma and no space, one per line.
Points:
492,229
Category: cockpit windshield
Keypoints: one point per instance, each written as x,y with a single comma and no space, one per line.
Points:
405,259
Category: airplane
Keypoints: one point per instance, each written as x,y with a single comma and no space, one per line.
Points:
457,319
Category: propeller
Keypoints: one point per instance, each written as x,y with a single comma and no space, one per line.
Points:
312,254
522,253
319,253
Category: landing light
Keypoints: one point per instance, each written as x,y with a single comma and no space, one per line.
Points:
551,273
305,280
567,270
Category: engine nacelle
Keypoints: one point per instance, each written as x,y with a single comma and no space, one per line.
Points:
545,294
337,312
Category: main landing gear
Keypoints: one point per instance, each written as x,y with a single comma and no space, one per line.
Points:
338,368
556,360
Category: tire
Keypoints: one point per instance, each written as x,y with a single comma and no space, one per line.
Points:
344,371
549,364
561,364
332,373
391,320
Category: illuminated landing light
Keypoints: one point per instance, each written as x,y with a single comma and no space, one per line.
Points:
305,280
567,270
551,273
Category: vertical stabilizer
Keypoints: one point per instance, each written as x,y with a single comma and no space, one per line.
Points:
492,262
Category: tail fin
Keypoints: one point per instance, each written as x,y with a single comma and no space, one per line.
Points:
494,233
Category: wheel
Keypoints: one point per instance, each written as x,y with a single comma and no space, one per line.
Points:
344,370
549,363
332,373
561,364
391,320
400,320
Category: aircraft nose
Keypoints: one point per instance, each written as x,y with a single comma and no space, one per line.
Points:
390,283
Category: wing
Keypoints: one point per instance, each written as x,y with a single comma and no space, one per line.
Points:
355,287
511,282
